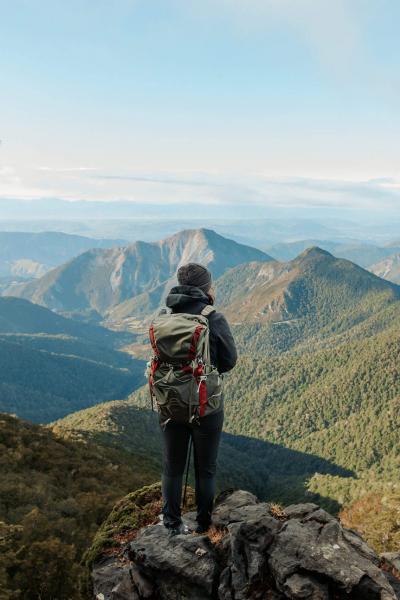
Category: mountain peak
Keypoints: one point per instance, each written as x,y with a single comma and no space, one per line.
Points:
303,288
314,252
200,232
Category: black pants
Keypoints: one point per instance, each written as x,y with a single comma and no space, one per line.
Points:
206,437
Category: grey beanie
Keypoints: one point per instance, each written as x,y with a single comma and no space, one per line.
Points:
196,275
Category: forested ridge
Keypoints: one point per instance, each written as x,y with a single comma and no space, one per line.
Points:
330,402
44,378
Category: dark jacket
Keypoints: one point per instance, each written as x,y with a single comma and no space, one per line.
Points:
190,299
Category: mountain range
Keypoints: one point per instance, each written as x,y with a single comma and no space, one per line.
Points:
273,307
131,281
31,255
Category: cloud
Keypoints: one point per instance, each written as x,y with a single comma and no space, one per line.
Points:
202,188
157,179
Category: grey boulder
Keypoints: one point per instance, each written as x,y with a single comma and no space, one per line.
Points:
257,554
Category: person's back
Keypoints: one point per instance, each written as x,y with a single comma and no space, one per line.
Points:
193,293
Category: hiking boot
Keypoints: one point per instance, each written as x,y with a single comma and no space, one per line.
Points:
182,529
202,528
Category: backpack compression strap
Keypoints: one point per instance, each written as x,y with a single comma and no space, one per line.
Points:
154,363
207,310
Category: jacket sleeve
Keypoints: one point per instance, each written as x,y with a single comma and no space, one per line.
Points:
226,348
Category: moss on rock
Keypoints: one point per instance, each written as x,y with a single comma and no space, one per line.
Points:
136,510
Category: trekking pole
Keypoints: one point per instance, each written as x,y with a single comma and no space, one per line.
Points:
187,472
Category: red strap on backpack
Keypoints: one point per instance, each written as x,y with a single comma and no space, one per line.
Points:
198,372
153,341
202,397
154,363
194,342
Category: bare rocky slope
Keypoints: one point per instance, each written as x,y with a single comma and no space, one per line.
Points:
388,268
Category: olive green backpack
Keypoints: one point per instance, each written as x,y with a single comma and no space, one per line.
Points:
183,383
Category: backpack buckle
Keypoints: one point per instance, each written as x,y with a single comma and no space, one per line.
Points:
200,380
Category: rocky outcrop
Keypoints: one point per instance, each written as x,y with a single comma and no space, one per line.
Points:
252,551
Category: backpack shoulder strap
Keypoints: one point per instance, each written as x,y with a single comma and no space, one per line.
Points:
207,310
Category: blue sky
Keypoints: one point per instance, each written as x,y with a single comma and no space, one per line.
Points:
210,101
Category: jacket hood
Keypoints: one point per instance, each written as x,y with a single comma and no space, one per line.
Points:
182,295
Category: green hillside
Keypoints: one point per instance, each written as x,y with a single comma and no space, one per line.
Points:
43,385
275,306
339,403
74,346
54,493
51,366
268,469
21,316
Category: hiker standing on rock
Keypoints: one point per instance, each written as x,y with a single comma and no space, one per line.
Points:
193,346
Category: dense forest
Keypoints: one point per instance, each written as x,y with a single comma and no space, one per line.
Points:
54,493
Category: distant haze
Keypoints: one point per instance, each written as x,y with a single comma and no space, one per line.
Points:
257,225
